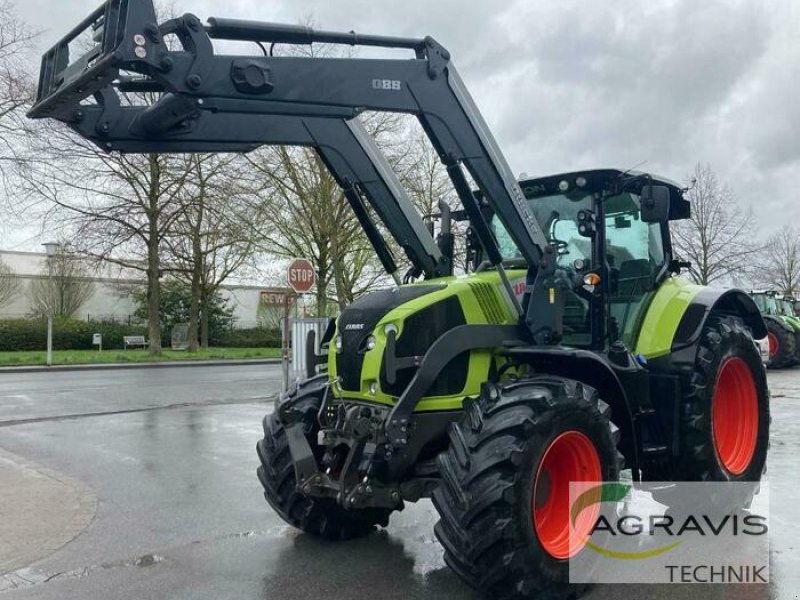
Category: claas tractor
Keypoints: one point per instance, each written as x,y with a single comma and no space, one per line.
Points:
566,350
783,329
789,317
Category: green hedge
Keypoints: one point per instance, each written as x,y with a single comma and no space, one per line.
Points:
73,334
68,334
247,338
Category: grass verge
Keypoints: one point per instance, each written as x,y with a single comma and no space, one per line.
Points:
85,357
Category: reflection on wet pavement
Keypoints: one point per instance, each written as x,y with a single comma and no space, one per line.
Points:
181,515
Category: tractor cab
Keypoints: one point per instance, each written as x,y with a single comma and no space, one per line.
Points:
787,307
767,302
783,327
612,250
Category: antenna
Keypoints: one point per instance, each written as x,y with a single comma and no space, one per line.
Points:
644,162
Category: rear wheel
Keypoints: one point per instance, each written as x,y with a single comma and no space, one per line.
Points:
724,433
322,517
504,498
782,345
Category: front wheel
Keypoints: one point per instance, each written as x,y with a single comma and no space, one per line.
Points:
321,517
504,498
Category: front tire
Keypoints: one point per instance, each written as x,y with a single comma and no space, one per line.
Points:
503,501
321,517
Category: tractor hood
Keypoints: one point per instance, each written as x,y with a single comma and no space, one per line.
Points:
416,315
358,321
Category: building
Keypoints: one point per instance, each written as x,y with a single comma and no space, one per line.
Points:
111,298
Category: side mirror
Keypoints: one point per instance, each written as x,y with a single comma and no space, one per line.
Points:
655,204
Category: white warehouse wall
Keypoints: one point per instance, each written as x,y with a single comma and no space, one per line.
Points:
111,298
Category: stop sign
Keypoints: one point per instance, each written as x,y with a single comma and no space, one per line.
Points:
300,275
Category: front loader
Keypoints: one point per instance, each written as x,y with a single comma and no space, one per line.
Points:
567,351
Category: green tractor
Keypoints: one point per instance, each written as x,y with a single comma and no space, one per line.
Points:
783,329
564,348
789,316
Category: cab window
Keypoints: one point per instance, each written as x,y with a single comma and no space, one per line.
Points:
635,254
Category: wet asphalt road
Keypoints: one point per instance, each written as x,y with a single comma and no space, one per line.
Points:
169,453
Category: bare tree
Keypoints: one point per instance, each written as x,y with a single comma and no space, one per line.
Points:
718,239
119,208
306,214
9,284
423,174
63,289
269,315
215,233
426,180
16,83
780,267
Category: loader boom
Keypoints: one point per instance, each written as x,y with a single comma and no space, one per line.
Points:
212,103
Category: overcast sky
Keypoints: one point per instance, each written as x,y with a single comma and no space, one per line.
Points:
571,84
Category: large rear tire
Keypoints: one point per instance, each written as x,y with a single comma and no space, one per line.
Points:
782,346
724,428
504,498
322,517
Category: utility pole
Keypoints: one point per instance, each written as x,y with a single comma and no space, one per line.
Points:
52,249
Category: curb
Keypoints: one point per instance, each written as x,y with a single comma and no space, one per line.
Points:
141,365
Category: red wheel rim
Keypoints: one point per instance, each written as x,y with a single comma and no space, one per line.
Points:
734,415
570,457
773,344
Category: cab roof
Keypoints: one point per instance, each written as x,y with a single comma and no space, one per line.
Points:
595,180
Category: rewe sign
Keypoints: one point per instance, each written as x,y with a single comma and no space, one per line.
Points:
300,275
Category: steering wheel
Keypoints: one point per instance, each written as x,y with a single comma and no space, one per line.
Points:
560,246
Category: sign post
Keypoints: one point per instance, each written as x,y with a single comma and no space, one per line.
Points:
287,304
301,277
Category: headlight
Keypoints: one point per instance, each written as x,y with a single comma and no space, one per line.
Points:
390,328
371,343
338,343
373,388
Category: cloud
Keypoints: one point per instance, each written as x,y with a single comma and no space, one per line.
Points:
576,84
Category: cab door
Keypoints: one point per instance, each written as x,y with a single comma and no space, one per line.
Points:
635,256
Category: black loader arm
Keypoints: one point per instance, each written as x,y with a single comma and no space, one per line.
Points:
207,102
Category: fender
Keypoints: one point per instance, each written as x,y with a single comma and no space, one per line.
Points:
679,310
592,369
710,300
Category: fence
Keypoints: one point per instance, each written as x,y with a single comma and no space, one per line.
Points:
299,329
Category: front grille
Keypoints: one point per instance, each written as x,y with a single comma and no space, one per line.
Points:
358,321
420,331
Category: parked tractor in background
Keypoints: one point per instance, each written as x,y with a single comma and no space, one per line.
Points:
567,350
783,328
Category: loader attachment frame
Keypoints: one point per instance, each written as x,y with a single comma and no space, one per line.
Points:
214,102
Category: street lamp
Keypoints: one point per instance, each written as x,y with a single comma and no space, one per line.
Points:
52,249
